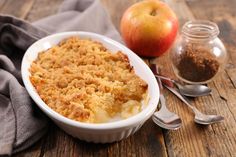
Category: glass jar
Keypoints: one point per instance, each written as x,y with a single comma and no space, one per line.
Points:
198,54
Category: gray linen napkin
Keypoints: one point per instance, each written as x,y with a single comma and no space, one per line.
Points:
21,122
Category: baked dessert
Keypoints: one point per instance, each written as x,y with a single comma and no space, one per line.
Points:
82,80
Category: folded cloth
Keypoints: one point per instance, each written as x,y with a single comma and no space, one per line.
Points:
21,122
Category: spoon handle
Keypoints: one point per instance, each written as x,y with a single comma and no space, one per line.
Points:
163,77
162,98
181,97
155,70
165,80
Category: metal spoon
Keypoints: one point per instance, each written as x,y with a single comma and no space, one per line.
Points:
164,118
200,118
188,90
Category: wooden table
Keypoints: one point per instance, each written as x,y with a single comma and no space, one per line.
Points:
218,140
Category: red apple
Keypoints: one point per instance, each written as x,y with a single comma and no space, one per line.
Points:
149,28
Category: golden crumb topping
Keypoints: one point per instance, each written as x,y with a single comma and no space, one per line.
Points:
82,80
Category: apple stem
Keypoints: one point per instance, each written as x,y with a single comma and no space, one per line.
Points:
153,13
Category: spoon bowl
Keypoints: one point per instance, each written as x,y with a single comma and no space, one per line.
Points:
193,90
166,119
204,119
172,126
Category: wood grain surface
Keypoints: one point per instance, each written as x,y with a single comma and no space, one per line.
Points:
218,140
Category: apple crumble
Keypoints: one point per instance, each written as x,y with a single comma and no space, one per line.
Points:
82,80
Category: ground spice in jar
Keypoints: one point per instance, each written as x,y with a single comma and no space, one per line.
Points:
197,64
